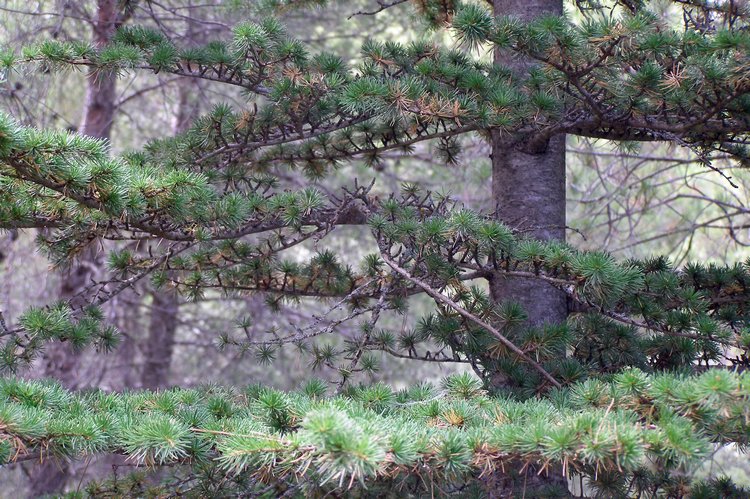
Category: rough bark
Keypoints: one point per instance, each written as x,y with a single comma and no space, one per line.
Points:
528,190
528,187
529,194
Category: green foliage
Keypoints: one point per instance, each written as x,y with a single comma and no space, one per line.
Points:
473,24
346,442
609,395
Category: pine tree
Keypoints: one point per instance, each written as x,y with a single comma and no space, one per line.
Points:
621,375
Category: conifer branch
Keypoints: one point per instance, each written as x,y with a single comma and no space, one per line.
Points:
473,318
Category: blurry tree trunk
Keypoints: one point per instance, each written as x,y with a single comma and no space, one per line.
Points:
528,191
96,121
159,347
60,361
100,103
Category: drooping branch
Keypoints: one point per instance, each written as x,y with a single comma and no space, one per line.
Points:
437,296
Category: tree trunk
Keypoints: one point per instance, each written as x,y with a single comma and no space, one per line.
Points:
99,106
159,347
97,119
528,187
528,191
61,362
529,194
